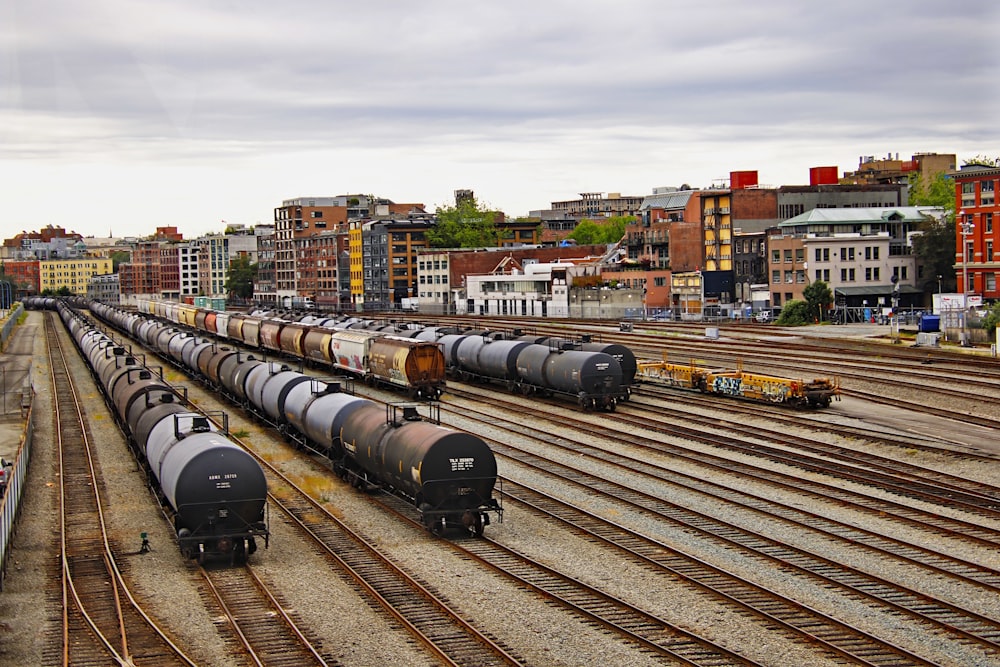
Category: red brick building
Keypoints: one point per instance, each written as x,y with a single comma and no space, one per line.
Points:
976,232
25,274
141,276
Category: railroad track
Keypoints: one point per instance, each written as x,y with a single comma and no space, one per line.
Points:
816,419
260,626
430,619
929,521
935,615
935,374
102,622
649,632
971,636
898,477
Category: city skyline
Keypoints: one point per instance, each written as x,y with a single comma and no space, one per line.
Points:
115,120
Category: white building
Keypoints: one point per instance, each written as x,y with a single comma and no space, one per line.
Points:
536,290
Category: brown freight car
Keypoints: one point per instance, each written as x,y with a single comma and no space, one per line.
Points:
291,339
316,344
415,365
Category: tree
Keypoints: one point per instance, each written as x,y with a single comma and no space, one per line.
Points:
936,249
586,232
992,319
239,279
465,225
818,298
612,230
935,246
939,190
794,313
117,257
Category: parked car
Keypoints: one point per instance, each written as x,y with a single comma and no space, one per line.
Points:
763,316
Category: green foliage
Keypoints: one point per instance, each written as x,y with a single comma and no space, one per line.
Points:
938,191
935,249
612,230
795,313
992,319
117,257
239,279
465,225
819,298
983,161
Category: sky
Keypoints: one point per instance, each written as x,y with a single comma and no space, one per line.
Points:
119,116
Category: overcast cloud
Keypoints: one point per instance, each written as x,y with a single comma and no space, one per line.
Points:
121,115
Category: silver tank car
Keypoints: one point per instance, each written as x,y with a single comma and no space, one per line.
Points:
217,489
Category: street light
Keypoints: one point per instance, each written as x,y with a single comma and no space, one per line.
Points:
967,227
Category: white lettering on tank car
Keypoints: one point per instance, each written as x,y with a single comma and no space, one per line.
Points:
602,366
467,463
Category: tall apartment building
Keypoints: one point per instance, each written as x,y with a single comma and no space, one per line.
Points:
74,274
319,272
140,277
356,254
303,217
213,264
662,216
264,287
170,271
977,242
389,258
